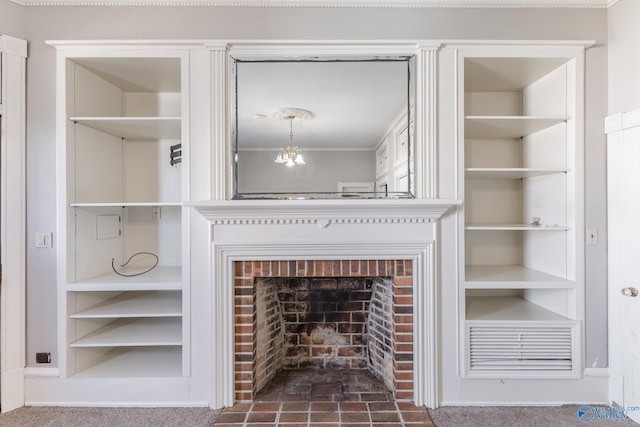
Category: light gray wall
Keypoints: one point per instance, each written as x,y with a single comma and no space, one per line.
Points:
258,173
12,19
624,56
45,23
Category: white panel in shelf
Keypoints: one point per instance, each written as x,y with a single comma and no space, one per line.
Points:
108,226
509,173
136,304
135,332
507,126
160,278
134,127
507,308
135,362
511,275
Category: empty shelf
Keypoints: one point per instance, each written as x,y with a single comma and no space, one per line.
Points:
507,309
135,304
134,127
486,276
507,126
135,332
509,173
136,362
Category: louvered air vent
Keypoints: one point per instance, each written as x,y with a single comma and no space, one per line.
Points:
505,348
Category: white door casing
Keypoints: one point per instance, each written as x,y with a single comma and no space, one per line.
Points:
12,222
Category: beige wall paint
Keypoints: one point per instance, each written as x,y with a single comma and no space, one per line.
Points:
296,23
624,56
12,19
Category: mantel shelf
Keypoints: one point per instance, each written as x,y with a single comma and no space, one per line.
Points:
324,212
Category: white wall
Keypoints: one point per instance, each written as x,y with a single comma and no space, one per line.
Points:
258,173
624,56
45,23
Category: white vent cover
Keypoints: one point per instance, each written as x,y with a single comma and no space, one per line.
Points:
521,349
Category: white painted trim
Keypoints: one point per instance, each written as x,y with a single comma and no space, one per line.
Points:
323,212
417,4
37,372
12,222
597,372
422,255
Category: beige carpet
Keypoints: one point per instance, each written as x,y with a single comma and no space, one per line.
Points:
557,416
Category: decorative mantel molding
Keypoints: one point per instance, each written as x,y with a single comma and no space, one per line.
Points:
323,212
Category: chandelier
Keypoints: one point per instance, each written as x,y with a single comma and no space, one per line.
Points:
291,155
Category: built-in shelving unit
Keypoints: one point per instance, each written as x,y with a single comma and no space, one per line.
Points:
522,277
123,282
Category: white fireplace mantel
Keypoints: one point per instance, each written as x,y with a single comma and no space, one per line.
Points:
323,212
346,230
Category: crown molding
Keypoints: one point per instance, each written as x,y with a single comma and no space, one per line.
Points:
417,4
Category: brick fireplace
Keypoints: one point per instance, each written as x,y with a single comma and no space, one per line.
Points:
323,314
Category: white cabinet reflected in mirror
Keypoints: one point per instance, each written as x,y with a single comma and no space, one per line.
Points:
305,128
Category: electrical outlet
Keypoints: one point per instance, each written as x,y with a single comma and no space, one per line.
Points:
44,240
43,357
592,236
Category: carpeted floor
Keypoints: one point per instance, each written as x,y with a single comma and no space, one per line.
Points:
539,416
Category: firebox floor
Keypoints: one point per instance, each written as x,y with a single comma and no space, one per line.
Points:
323,398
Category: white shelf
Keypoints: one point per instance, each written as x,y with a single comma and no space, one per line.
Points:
493,276
123,204
135,332
160,278
134,127
507,309
509,173
497,127
136,362
135,304
515,227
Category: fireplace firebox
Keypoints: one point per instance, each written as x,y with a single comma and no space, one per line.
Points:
355,314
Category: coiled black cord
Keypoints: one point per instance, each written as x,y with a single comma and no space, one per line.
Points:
130,258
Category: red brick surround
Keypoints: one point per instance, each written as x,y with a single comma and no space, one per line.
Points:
246,325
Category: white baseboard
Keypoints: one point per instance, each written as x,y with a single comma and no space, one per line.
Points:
597,372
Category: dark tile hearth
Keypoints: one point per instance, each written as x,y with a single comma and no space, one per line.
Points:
323,398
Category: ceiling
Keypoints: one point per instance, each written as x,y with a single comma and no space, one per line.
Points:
331,3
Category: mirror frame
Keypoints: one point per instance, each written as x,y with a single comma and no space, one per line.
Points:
423,92
403,170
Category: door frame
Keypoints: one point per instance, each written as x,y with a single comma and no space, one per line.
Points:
12,222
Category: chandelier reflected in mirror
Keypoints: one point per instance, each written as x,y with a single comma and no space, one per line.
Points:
291,155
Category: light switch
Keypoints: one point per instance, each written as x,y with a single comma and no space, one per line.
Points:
44,240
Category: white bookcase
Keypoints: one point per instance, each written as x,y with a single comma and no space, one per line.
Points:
521,227
124,115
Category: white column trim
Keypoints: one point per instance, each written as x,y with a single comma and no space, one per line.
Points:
426,129
221,161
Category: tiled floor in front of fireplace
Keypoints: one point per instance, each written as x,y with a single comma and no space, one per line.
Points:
324,398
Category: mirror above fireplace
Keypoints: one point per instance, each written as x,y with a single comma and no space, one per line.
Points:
323,129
